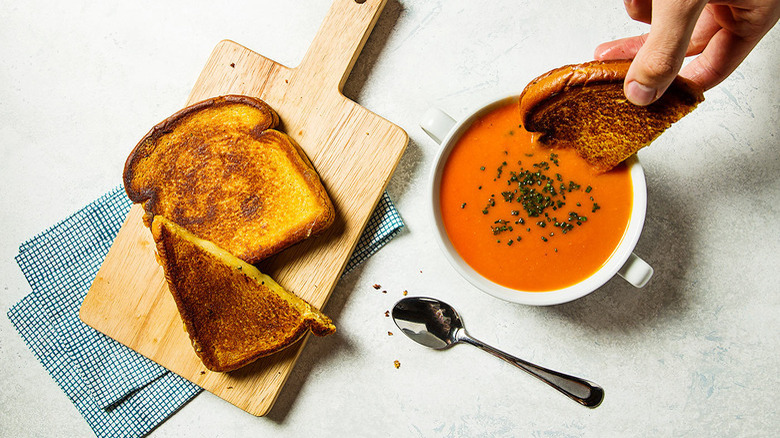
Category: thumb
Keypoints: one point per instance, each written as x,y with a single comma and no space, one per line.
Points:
661,56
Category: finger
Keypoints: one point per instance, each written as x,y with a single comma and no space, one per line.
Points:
749,21
738,33
705,29
659,60
624,48
718,60
627,48
639,10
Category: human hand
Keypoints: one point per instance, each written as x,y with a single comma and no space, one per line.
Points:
720,32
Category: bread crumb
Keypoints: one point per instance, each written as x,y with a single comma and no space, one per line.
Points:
397,364
384,291
406,293
233,64
387,314
376,286
389,333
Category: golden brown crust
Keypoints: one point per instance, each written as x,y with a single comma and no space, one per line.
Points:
583,106
142,149
219,169
232,313
574,75
326,213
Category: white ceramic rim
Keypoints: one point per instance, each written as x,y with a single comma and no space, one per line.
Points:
558,296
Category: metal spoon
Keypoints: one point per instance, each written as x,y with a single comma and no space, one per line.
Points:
437,325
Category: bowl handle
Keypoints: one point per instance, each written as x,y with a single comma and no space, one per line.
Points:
437,124
636,271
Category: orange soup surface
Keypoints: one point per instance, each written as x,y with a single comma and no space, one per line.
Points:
527,216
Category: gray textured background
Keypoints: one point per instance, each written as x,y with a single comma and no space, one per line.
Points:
692,354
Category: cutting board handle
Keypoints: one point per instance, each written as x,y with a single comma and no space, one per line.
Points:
337,44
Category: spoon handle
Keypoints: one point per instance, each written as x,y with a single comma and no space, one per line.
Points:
580,390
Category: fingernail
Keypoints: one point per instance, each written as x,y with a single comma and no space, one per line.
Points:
640,94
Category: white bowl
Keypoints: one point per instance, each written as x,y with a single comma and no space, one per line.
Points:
446,131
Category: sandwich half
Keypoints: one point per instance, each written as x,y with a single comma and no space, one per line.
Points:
233,313
221,170
583,106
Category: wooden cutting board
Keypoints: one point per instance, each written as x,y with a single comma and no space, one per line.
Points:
354,151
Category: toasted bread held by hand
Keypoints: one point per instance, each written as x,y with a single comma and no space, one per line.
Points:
233,313
583,106
219,169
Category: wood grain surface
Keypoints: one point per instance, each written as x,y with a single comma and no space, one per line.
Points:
354,151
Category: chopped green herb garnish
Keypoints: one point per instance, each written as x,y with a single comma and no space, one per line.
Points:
538,192
500,170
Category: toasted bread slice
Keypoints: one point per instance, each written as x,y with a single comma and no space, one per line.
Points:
219,169
233,313
583,106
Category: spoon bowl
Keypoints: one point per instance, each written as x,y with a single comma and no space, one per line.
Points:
436,324
428,322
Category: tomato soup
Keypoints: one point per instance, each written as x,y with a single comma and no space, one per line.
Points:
527,216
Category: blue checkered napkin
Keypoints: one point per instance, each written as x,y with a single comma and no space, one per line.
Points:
384,224
118,391
66,258
135,415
